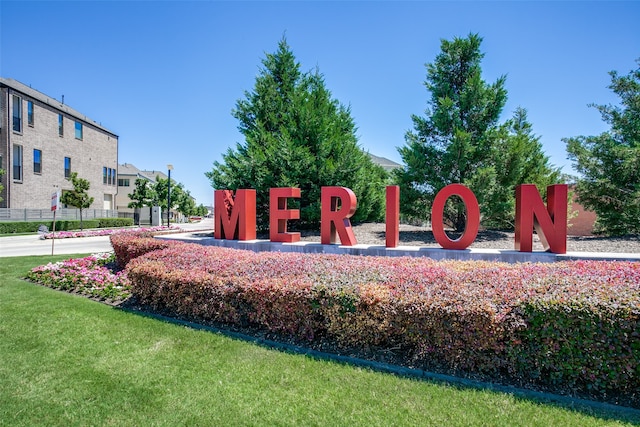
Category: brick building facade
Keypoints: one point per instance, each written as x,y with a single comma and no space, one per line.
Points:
42,141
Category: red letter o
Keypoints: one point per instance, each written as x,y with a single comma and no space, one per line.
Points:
473,217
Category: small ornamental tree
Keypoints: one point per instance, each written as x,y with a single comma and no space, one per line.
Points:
143,194
609,163
186,203
160,188
79,196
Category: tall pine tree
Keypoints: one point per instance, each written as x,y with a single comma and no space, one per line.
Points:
296,135
460,140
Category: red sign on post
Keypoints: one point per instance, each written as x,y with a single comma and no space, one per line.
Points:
55,201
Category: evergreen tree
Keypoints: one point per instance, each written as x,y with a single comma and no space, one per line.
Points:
296,135
609,163
461,141
79,196
516,158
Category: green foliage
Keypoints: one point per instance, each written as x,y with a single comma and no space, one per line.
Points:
186,204
114,222
148,193
62,225
461,141
609,163
296,135
143,194
79,196
517,158
2,172
201,210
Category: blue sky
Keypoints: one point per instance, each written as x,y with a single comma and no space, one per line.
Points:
165,75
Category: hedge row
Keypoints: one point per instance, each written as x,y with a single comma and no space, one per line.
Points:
571,327
63,225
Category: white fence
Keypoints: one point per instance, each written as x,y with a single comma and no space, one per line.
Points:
7,214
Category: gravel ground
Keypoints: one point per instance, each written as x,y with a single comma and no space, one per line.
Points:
374,234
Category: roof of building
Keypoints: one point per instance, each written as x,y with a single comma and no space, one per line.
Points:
129,169
386,164
54,103
152,175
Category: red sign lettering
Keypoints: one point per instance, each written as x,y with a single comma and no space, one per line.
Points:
337,205
279,214
240,223
237,220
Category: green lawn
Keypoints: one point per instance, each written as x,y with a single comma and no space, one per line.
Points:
66,360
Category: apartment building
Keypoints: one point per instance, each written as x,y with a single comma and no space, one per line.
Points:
43,141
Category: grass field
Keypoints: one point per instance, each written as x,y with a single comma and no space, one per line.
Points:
66,360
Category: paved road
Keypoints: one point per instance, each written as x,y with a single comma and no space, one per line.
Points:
33,245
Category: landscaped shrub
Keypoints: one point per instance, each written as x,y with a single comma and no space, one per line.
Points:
571,327
115,222
11,227
128,246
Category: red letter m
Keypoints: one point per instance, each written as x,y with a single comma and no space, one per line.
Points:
235,217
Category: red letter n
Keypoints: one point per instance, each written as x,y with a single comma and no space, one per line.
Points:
279,214
338,204
240,222
550,222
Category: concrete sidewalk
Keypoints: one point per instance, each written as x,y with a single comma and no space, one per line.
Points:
31,244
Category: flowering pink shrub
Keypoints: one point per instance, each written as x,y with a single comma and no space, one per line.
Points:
88,276
128,246
570,326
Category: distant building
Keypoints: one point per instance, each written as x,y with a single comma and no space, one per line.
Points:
127,175
42,141
387,165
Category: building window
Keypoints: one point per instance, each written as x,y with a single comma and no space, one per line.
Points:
37,161
17,114
17,162
108,176
78,130
123,182
67,167
30,113
60,125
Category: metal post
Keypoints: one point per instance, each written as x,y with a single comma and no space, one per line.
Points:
169,167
